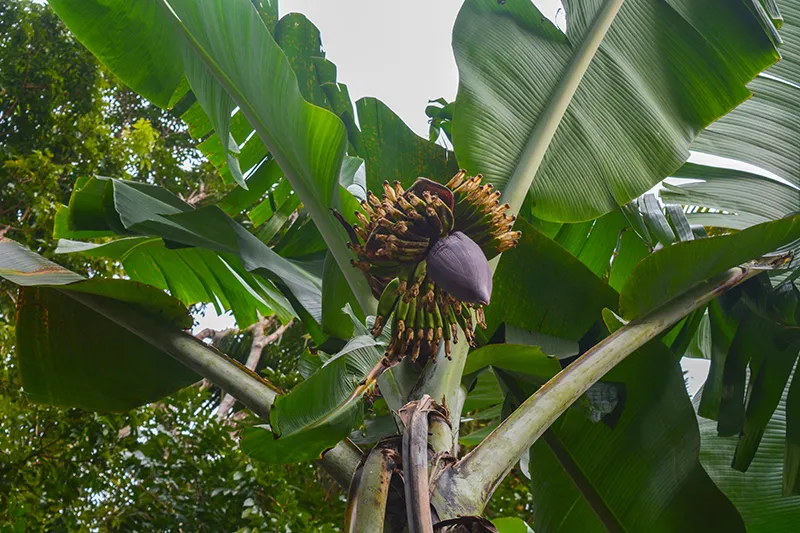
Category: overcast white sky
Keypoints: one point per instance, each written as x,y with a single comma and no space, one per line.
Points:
398,51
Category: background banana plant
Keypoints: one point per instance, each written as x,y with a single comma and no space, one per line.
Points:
576,374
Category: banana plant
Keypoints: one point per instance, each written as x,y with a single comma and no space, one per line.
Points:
523,267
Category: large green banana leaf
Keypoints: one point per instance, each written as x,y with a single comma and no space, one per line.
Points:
754,346
757,493
243,64
665,71
610,468
192,275
691,262
71,355
135,208
563,298
132,39
763,131
618,474
740,194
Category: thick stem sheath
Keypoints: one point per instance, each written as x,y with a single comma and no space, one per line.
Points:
415,465
369,492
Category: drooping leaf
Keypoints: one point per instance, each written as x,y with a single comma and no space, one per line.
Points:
320,411
756,493
23,267
153,211
308,142
71,355
301,241
723,324
700,347
773,356
193,275
269,222
694,261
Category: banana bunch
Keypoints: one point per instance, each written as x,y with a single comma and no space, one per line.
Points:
425,253
424,315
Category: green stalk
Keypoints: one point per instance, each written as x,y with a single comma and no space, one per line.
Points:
520,182
232,377
442,382
468,485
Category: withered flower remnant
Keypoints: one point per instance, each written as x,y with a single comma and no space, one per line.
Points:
425,252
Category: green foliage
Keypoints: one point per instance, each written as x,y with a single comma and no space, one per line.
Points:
394,153
554,306
625,458
63,117
758,492
126,207
320,411
581,471
166,467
